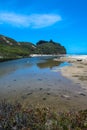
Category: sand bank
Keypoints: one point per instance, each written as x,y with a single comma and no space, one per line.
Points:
78,69
38,55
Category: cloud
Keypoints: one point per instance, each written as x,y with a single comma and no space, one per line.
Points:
32,21
13,19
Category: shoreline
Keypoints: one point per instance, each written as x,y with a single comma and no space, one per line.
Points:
14,58
35,55
3,59
77,71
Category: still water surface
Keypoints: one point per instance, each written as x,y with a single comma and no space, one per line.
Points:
33,80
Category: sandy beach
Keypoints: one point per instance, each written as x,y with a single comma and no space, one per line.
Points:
77,71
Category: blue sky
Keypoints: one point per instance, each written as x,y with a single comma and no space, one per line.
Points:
63,21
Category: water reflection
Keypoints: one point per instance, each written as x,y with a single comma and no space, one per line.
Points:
27,63
48,64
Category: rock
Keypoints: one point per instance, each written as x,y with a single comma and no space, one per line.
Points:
29,93
14,79
41,88
82,94
49,124
65,96
48,93
44,98
79,59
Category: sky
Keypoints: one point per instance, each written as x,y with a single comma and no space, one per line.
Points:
63,21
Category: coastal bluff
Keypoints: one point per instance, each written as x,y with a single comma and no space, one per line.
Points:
12,49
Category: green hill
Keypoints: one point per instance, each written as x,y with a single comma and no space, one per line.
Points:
49,47
11,49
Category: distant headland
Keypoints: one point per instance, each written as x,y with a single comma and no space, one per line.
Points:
11,49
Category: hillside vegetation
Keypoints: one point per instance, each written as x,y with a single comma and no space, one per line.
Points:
49,47
11,49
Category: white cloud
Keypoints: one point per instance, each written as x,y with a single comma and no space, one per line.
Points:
11,18
33,21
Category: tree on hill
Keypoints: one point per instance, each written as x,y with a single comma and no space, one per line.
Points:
51,47
41,42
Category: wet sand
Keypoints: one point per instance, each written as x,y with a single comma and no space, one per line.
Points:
58,93
77,71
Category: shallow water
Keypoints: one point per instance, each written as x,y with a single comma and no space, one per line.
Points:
34,72
33,80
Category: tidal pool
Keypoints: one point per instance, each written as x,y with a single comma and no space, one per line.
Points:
33,81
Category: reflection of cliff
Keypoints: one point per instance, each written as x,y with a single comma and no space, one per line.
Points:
48,64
